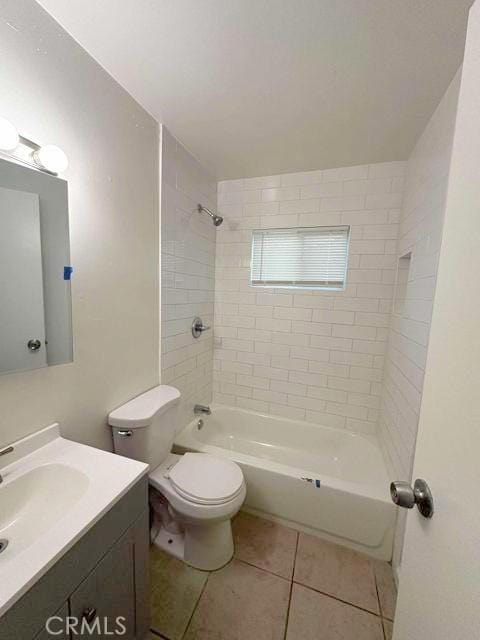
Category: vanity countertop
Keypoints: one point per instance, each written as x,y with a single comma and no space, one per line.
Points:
53,491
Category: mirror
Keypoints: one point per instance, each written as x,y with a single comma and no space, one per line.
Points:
35,297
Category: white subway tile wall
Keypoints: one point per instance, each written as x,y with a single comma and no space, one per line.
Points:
187,275
309,355
420,234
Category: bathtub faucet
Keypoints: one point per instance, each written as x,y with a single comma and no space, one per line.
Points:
201,409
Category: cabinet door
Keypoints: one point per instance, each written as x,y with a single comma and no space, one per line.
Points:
57,625
104,602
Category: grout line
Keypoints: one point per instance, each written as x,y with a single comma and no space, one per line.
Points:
382,617
288,611
377,591
158,634
383,629
291,587
296,553
382,612
329,595
271,573
196,604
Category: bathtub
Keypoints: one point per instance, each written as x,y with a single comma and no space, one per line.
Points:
328,482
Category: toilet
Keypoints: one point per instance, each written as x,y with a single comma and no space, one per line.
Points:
194,496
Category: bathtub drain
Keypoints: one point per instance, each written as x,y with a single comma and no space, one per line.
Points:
3,544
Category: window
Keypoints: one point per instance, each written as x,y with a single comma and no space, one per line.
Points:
303,258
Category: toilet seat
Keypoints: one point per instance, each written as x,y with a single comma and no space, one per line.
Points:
204,479
185,508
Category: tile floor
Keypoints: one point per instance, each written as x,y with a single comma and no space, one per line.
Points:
281,585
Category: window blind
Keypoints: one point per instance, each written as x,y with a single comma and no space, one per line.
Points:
313,258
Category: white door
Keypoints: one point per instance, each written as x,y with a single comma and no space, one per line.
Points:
439,595
21,282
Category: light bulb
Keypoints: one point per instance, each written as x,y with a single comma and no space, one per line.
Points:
8,135
52,158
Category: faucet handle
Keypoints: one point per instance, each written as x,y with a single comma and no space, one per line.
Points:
198,327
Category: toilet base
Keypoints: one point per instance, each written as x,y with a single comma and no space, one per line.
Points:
206,547
172,544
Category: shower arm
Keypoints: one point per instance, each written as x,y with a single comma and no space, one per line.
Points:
216,219
201,208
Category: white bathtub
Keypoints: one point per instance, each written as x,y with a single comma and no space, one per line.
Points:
324,481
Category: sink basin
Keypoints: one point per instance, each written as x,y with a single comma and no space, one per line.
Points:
34,502
53,491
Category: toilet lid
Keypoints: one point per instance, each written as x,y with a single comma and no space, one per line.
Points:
205,479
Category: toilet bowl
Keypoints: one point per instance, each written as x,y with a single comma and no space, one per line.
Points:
203,494
195,495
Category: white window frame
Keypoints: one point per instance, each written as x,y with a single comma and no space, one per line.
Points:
322,285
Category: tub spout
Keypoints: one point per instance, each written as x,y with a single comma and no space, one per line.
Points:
201,409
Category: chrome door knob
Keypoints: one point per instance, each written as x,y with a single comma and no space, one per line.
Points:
404,496
34,344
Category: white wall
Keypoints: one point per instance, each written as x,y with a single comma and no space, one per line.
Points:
54,92
420,234
308,355
188,269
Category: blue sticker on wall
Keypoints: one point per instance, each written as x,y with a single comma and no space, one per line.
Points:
67,273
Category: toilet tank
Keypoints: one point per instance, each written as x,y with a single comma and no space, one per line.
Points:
144,428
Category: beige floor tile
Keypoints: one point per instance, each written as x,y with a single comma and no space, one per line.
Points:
337,571
314,616
265,544
239,602
388,629
176,588
387,591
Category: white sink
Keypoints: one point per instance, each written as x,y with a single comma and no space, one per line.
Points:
35,501
53,491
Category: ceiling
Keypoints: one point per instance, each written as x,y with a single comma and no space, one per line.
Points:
257,87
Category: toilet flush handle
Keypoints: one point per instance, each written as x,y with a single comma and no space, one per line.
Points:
125,433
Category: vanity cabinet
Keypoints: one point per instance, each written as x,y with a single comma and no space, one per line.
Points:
59,630
108,593
102,577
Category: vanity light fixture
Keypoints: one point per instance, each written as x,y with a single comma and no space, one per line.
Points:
51,158
48,158
9,138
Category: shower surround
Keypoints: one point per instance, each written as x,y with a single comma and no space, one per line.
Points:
187,274
303,354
